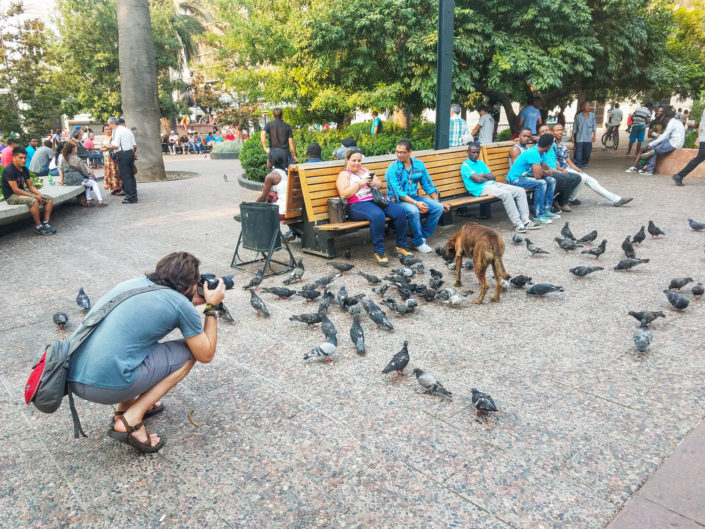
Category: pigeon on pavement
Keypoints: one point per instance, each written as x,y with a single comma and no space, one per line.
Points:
399,361
435,274
327,326
628,248
381,289
409,260
341,296
325,280
324,352
647,315
431,384
258,304
296,274
678,301
654,230
566,244
482,402
310,295
588,239
401,308
533,248
679,282
372,279
341,267
582,271
404,272
541,289
697,226
520,280
61,319
517,239
255,281
83,301
565,231
325,301
642,337
639,237
597,251
282,292
628,264
377,315
445,294
698,290
309,319
357,335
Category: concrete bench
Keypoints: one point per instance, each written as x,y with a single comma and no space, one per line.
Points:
10,214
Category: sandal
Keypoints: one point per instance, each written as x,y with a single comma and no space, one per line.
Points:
128,438
154,410
102,204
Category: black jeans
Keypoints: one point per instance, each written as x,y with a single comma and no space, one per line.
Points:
565,183
125,163
699,158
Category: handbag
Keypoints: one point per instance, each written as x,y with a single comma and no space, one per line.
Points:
378,199
337,210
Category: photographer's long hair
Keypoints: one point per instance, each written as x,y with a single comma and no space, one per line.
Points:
178,271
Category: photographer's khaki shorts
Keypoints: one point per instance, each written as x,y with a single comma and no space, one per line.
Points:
21,200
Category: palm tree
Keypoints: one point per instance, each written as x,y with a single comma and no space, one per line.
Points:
138,84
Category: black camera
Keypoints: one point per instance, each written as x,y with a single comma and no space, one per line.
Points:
212,281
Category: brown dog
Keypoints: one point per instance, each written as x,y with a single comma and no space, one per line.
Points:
486,247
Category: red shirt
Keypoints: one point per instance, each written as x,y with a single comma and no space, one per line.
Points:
88,144
6,156
230,137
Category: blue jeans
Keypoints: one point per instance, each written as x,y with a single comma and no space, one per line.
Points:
366,210
44,171
543,191
583,150
661,148
420,231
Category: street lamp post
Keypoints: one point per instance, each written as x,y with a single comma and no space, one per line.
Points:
444,63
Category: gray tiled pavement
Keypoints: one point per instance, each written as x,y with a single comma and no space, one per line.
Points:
584,420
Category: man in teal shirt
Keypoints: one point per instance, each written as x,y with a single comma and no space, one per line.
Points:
527,172
376,123
480,182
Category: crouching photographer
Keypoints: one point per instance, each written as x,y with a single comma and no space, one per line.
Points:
123,361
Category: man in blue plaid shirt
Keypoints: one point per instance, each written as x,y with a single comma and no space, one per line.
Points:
458,127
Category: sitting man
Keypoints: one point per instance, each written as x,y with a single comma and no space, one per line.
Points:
173,141
523,143
527,172
339,153
14,178
672,138
184,141
567,165
94,156
313,153
565,182
200,147
193,148
134,369
479,181
403,178
41,159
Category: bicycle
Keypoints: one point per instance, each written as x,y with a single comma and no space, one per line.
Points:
610,139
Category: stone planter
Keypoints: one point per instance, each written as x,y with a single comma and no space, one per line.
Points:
225,155
250,184
674,161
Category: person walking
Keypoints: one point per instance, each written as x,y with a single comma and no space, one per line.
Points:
111,178
123,141
699,158
280,136
584,135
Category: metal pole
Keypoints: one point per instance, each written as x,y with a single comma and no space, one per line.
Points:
446,10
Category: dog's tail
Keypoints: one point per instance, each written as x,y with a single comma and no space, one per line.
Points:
498,267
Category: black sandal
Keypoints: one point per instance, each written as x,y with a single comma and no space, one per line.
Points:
154,410
128,438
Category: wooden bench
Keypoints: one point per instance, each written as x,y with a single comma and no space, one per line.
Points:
310,186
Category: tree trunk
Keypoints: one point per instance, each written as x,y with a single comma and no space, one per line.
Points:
138,85
402,117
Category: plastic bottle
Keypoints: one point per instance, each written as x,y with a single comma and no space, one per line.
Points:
51,181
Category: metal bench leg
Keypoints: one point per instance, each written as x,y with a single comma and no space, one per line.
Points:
446,218
486,210
317,242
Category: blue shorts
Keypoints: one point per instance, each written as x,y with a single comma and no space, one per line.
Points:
637,134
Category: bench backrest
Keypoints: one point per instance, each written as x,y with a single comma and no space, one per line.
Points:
496,156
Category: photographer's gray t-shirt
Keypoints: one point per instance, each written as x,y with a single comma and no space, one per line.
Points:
110,356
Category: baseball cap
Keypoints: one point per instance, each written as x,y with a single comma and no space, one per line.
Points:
120,121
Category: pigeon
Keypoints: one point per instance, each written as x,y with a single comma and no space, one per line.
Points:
582,271
347,253
404,293
404,272
83,301
255,281
482,402
258,304
409,260
327,326
565,231
324,352
541,289
340,297
310,295
435,284
61,319
435,274
697,226
325,300
566,244
588,239
678,301
378,316
357,335
598,250
520,280
647,315
468,264
431,384
533,248
325,280
225,177
445,294
628,264
282,292
341,267
429,294
296,274
309,319
401,308
654,230
642,337
517,239
371,279
639,237
450,265
420,268
628,248
399,361
698,290
679,282
456,300
381,290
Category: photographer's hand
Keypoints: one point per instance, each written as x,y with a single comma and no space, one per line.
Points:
216,295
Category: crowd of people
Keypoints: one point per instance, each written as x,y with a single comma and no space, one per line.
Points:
194,142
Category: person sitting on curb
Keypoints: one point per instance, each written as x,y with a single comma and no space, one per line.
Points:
672,138
479,181
566,164
134,370
527,172
403,179
699,158
15,177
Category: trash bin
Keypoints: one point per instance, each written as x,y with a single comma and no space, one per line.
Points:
260,223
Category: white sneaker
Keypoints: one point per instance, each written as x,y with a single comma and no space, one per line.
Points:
424,248
531,226
646,172
632,169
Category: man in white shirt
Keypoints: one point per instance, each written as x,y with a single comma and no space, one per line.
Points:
672,138
485,127
173,142
123,141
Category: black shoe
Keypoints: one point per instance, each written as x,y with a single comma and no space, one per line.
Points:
49,226
42,230
129,201
574,202
678,180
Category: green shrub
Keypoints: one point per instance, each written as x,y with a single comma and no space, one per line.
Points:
690,138
504,135
254,160
228,146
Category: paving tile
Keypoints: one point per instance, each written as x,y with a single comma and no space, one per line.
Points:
645,514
